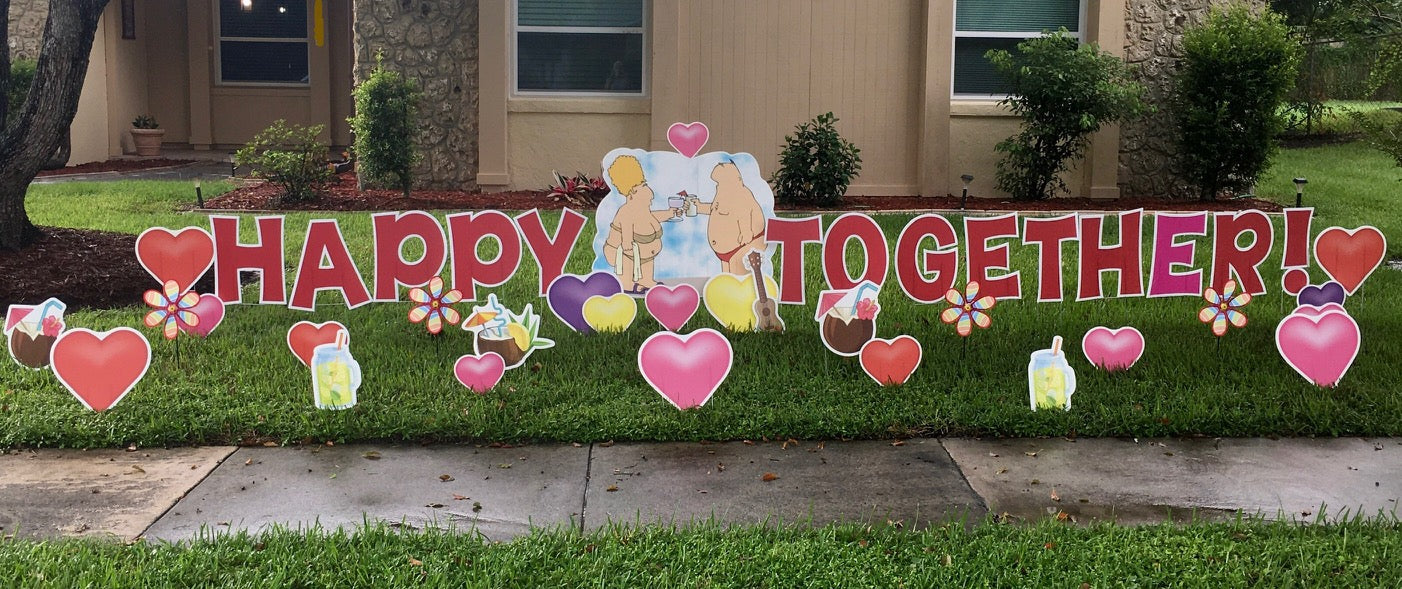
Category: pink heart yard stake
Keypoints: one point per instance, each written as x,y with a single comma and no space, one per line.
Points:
1113,350
210,310
672,306
686,369
1321,346
688,138
480,373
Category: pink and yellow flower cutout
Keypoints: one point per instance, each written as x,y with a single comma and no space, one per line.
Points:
434,306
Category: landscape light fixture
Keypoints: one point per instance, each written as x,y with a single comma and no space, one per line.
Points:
199,193
1300,191
964,199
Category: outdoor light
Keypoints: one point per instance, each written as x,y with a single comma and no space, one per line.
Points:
199,193
1300,191
246,5
964,199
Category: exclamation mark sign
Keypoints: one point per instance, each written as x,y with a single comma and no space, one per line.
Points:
1296,260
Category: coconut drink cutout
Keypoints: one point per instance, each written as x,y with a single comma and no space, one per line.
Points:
512,336
847,318
32,332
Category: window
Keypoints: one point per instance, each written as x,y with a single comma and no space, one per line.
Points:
580,46
263,42
981,25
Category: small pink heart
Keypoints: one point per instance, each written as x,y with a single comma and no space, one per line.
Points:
686,369
1320,347
1113,350
480,373
672,306
688,138
210,310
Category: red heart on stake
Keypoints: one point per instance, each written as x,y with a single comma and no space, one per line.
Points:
1350,255
183,256
891,361
305,336
100,368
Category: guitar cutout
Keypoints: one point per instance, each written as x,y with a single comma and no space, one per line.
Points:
766,309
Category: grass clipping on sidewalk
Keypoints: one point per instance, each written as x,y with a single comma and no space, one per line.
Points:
1241,553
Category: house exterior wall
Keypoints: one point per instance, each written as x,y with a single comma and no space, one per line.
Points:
434,43
1154,44
752,71
27,27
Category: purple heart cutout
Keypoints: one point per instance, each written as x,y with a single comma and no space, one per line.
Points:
567,294
1318,296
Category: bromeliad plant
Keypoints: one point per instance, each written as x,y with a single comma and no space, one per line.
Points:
580,190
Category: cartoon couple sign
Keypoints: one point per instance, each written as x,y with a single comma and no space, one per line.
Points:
670,218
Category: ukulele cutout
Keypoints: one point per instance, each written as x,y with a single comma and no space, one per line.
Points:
766,309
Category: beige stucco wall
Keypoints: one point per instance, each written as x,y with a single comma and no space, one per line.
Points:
168,66
537,147
90,134
753,70
126,78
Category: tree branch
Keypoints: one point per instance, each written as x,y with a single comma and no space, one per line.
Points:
4,66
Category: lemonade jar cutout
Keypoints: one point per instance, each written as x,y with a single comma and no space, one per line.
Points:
1050,380
335,375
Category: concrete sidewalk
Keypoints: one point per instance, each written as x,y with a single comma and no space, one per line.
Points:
501,493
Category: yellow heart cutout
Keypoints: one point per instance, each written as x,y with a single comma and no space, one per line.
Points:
612,314
731,299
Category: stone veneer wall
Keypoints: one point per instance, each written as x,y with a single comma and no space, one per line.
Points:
433,42
1154,44
27,19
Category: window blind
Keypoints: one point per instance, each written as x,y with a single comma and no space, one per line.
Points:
1004,16
579,13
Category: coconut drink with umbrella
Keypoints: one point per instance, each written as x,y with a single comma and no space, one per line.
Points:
512,336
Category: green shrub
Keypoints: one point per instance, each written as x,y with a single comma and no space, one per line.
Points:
1237,69
1064,91
817,164
385,127
21,77
145,122
1382,129
291,156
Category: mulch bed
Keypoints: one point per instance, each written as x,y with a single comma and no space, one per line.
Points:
82,268
115,166
341,195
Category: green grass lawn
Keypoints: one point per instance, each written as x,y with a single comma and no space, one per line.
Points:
242,383
1238,554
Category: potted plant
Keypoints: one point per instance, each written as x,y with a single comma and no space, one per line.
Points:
147,135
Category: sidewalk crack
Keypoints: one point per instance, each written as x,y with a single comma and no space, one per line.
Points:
584,500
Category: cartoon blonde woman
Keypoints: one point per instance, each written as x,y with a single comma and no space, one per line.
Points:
635,235
737,222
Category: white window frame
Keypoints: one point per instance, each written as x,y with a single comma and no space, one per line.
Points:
1079,35
644,83
219,40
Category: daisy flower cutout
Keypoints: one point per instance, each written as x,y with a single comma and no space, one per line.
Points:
434,305
1223,308
169,307
967,310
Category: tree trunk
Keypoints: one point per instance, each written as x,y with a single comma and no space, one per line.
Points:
47,113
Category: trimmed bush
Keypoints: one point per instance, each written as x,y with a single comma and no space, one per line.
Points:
1238,67
291,156
386,128
1064,91
817,164
21,77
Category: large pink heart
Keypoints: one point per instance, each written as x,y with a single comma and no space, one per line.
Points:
1320,347
479,373
100,368
672,306
1113,350
688,138
686,369
210,310
183,256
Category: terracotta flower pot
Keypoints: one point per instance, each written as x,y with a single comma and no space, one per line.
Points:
847,337
507,348
147,141
31,352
